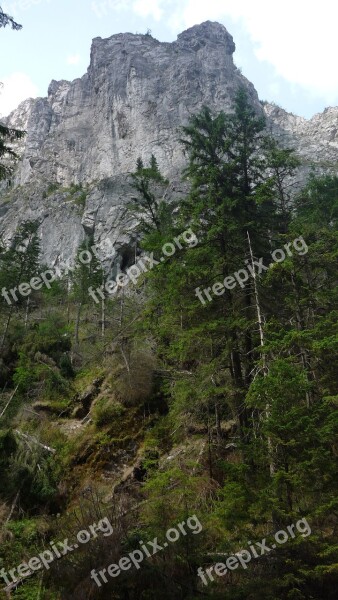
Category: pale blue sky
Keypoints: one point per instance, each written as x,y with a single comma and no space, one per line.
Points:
287,50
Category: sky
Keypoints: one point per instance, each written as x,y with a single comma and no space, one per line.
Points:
288,50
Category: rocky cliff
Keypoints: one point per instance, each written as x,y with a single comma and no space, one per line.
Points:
130,103
316,139
135,94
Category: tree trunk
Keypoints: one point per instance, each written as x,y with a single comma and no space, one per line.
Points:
14,503
27,312
272,467
103,317
122,308
218,424
209,449
6,330
30,438
9,401
77,324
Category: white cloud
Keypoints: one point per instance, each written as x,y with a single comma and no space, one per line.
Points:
16,88
299,39
73,59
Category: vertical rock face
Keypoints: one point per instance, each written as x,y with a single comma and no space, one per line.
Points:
316,139
134,96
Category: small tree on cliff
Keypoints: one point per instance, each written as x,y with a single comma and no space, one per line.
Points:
150,186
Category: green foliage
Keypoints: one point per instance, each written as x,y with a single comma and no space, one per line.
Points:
53,187
106,410
74,188
131,375
51,336
33,590
147,207
20,262
81,200
43,363
8,135
27,468
8,447
86,274
46,378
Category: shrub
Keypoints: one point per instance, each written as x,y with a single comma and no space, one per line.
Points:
132,376
81,200
53,187
105,410
75,187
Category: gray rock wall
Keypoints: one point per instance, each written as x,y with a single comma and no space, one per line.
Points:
134,96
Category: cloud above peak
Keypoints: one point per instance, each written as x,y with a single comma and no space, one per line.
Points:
16,88
299,40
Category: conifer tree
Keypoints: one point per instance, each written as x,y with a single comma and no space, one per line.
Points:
139,165
18,264
8,135
148,206
227,170
87,273
7,20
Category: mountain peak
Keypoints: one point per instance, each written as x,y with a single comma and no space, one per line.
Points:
209,32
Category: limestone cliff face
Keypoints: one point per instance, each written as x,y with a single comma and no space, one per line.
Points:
136,94
316,139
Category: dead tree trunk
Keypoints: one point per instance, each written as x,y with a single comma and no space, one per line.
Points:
272,467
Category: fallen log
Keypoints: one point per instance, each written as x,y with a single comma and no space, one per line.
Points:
35,441
9,401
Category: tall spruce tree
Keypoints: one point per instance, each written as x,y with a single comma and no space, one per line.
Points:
18,264
88,272
228,174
